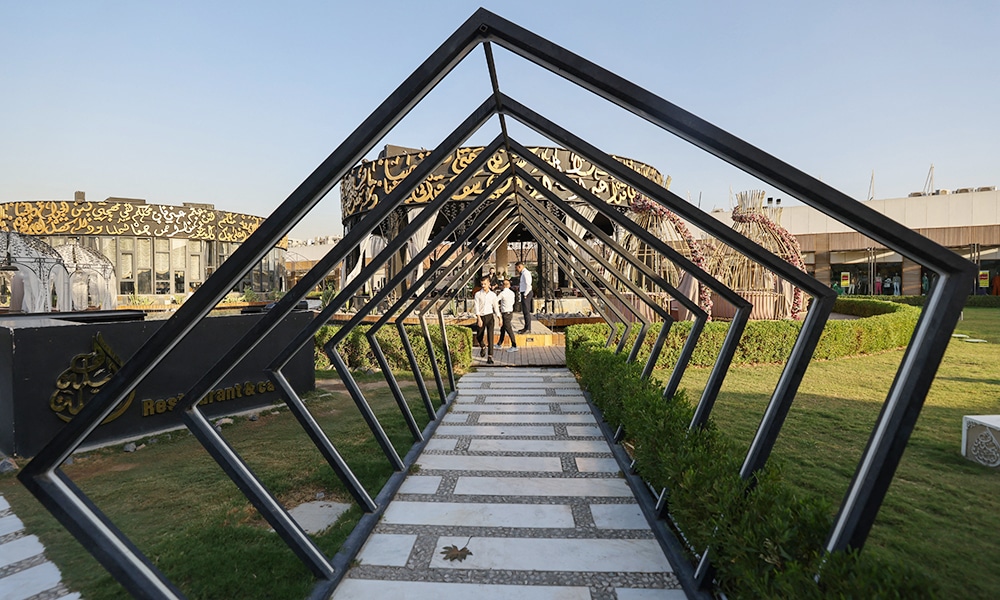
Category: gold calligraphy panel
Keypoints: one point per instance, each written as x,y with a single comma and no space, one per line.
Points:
127,219
365,185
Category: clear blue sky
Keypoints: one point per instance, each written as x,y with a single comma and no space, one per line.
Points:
235,103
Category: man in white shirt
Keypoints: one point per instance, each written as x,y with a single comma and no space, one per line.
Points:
506,298
527,298
487,310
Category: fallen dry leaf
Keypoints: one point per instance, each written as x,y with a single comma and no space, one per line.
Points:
453,552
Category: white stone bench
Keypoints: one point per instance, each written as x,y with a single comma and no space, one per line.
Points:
981,439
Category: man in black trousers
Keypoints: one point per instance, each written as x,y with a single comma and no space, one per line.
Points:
487,311
506,298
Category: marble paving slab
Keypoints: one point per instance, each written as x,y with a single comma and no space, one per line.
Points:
534,554
541,486
364,589
445,462
535,418
497,430
618,516
545,516
504,408
578,446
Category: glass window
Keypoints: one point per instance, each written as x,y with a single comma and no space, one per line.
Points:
109,248
162,244
258,278
162,266
179,282
178,253
126,266
194,267
127,244
127,287
143,253
144,281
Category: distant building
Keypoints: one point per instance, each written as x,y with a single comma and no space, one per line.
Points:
367,184
156,250
966,220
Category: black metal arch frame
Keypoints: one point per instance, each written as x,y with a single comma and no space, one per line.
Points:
544,236
330,346
557,226
880,458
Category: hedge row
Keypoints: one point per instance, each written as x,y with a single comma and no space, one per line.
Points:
767,539
358,355
886,325
977,301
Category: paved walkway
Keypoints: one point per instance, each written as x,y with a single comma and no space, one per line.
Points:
24,571
519,484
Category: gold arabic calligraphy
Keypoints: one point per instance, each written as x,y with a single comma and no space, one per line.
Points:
84,378
126,218
367,184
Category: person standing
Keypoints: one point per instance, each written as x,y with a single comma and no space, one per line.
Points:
506,299
487,310
527,297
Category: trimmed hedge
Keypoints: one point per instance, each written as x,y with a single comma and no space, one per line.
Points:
884,326
767,539
976,301
358,354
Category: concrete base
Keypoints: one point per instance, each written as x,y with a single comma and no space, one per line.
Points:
981,439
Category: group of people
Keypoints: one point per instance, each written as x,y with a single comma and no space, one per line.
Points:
890,285
491,306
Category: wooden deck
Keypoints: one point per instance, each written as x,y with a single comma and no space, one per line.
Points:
529,356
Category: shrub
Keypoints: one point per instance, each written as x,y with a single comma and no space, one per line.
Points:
766,539
974,301
358,355
883,326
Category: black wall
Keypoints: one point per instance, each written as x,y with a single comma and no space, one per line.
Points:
34,359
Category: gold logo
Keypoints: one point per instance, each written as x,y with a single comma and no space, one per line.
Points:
84,378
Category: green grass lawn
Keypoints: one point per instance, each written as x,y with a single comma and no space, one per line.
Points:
942,511
175,503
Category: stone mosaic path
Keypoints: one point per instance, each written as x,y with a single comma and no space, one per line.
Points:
25,574
519,475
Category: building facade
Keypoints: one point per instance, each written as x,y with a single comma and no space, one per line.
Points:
156,250
966,220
